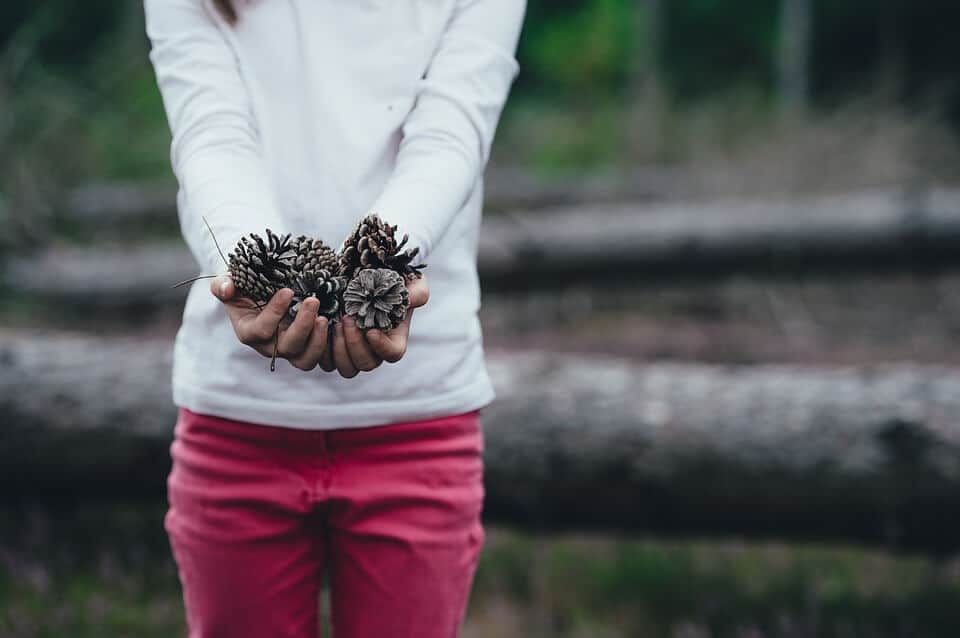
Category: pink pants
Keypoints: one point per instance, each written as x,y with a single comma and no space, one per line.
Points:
392,513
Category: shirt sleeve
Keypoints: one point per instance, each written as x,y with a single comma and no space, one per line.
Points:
216,152
447,135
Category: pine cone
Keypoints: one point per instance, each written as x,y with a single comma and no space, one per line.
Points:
260,268
313,255
322,285
373,244
376,298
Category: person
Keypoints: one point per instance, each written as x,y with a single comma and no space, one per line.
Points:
360,459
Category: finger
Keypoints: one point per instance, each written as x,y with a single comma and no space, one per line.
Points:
326,360
341,358
391,346
222,288
358,348
266,349
242,314
316,347
261,327
294,339
226,291
418,291
240,317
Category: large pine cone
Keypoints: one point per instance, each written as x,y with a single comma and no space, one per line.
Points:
373,244
260,268
322,285
377,298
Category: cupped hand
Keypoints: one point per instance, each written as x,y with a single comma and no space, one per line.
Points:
303,341
354,350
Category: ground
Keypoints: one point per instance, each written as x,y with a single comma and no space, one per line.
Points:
64,573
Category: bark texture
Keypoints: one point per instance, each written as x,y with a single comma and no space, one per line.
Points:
857,454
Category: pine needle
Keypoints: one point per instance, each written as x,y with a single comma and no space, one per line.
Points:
193,279
276,347
215,242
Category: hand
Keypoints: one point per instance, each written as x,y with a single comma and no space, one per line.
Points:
302,342
356,351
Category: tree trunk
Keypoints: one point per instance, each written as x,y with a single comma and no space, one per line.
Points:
646,65
868,454
795,37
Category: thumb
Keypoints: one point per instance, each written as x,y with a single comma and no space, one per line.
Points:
222,288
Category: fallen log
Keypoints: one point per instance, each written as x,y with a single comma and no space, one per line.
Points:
106,276
621,241
120,208
856,454
124,206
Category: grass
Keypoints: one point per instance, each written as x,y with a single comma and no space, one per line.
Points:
582,586
60,576
104,572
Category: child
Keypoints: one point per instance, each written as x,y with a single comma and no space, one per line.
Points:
302,116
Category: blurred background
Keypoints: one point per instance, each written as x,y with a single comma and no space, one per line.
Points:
721,301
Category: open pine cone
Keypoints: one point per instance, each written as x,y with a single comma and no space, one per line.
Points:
373,244
260,268
377,298
320,284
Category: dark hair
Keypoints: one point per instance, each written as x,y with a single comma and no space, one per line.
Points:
227,10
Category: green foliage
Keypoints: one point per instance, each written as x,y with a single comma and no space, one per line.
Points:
582,52
584,49
713,46
74,110
60,33
78,100
587,49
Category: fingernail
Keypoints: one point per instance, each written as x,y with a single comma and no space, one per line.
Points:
348,320
224,287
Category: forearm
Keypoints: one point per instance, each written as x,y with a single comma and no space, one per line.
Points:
228,190
448,134
216,152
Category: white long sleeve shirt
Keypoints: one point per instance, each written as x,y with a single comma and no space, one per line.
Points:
304,117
